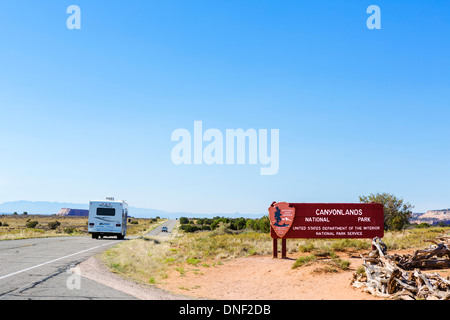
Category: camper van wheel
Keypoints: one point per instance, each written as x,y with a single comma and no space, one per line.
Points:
94,236
120,237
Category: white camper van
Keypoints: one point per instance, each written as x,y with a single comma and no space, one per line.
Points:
107,218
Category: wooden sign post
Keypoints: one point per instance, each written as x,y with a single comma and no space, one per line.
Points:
275,248
324,221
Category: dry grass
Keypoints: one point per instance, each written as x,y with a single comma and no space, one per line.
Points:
17,226
150,261
414,238
69,226
143,226
141,259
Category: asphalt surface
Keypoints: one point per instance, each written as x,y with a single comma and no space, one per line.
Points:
170,224
45,268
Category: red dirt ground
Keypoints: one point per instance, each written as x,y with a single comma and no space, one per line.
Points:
266,278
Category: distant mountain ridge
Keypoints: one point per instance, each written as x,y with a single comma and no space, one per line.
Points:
49,208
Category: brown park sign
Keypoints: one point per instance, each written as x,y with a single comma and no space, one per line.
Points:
326,220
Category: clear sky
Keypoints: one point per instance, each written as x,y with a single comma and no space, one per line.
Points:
89,113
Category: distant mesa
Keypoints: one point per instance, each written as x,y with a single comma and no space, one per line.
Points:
437,214
73,212
432,217
51,208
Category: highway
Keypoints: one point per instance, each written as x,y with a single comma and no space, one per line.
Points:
170,224
42,268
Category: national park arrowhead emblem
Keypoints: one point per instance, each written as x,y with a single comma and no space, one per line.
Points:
281,217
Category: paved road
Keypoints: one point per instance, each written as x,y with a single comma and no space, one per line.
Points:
170,224
43,268
39,269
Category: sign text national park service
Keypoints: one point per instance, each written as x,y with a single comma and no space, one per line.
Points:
326,220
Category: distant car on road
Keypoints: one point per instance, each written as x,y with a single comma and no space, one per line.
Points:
164,229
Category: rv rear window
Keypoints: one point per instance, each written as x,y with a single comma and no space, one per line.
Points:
106,211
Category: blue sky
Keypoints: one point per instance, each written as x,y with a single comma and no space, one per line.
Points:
89,113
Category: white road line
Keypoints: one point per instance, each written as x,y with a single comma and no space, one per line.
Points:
54,260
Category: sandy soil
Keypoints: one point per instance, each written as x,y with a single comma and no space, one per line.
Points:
252,278
266,278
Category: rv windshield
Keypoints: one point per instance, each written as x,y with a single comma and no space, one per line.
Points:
106,211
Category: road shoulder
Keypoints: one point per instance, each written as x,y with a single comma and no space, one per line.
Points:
94,269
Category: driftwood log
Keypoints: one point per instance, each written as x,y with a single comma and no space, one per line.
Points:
399,277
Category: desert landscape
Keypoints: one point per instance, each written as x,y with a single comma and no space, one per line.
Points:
224,266
266,278
228,264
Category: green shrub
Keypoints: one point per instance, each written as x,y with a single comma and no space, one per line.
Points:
193,261
32,224
69,230
344,244
341,264
262,224
423,225
306,247
184,220
303,260
53,225
323,253
189,228
361,270
217,222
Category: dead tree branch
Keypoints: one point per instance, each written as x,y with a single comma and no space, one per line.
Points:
399,277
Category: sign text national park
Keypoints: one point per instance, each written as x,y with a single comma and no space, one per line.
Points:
326,220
